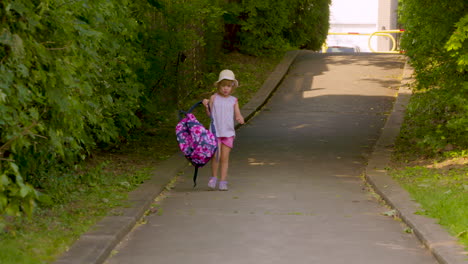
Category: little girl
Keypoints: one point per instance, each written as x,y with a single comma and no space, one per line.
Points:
224,108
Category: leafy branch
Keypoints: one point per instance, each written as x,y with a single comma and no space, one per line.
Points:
9,142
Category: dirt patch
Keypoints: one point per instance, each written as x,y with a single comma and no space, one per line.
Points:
440,164
454,163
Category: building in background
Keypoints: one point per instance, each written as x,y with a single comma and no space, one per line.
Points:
362,16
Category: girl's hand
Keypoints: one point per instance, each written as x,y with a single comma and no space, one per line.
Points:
206,102
240,120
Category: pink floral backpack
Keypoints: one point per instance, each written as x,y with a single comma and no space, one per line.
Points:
197,143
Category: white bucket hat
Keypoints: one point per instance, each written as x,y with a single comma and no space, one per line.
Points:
227,75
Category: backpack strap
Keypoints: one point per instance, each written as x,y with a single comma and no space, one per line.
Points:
183,113
212,125
213,130
194,106
195,174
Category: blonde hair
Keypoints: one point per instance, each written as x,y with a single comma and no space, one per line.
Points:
220,83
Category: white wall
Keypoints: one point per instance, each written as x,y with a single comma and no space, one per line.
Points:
354,11
387,20
362,16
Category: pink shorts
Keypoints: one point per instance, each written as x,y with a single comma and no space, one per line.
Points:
228,141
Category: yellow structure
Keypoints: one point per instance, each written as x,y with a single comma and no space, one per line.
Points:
380,33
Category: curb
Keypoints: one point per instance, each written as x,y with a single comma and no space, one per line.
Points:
96,245
444,247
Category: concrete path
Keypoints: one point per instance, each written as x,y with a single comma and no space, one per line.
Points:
296,193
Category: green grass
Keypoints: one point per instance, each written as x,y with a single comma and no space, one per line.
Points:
442,193
103,183
52,230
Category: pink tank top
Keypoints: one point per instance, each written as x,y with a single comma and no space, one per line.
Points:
223,115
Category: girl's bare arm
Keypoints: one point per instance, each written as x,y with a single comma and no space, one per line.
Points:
208,102
238,115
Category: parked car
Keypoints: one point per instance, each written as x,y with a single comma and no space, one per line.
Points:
342,49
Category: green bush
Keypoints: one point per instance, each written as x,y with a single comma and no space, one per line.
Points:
182,45
437,48
16,197
68,81
266,26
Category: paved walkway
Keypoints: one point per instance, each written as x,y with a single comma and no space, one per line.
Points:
296,193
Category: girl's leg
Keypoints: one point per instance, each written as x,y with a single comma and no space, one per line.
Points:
214,166
214,171
224,161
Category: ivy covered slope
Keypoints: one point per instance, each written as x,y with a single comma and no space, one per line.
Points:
438,49
68,82
81,75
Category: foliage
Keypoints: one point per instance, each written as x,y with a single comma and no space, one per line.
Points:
268,26
16,197
436,46
457,44
182,45
435,121
67,82
310,24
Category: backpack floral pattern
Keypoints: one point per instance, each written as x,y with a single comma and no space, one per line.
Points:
197,143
